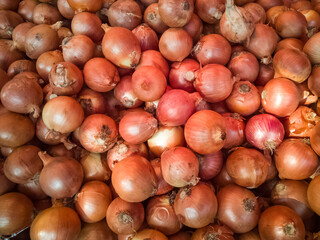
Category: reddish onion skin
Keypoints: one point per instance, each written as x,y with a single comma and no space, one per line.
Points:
200,200
235,129
15,129
100,75
175,107
313,194
19,34
210,165
199,102
280,222
295,160
6,184
65,10
137,127
152,18
98,133
147,37
135,185
194,27
247,167
280,97
8,20
257,12
202,134
154,58
238,208
214,82
124,217
121,47
212,48
210,11
8,53
264,131
223,178
20,66
44,13
219,231
160,215
180,167
46,61
26,7
266,73
163,186
315,138
85,5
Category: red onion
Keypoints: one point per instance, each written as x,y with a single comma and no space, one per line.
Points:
147,37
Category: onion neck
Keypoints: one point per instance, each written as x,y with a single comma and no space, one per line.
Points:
45,157
229,5
56,26
105,27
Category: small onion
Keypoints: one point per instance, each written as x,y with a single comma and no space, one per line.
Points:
44,13
154,58
313,194
46,61
85,5
8,53
65,10
152,18
210,11
147,37
20,66
210,165
26,8
91,101
235,129
163,186
19,34
194,27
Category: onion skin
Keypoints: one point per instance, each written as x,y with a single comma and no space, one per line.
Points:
292,43
46,61
257,12
235,126
9,20
64,224
210,165
141,179
15,130
163,186
219,231
99,230
210,11
286,224
6,184
315,138
20,66
295,160
200,200
152,18
85,5
65,10
9,5
154,58
4,78
147,37
8,53
313,194
44,13
92,102
314,80
149,234
194,27
16,213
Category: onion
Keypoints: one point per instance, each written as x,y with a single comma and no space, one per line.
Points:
9,5
16,213
160,215
175,44
196,206
65,10
205,132
137,127
247,167
257,12
60,177
264,131
301,122
92,102
267,4
154,58
280,222
280,97
8,53
292,64
44,13
124,13
149,234
152,18
210,11
238,208
313,194
295,160
182,235
315,138
313,20
236,24
262,42
313,81
92,201
41,38
6,184
26,8
121,47
99,230
266,73
32,190
98,133
311,48
274,12
60,150
214,82
223,178
20,66
62,114
218,231
85,5
199,102
292,194
235,127
291,24
148,83
122,150
137,173
175,107
4,78
301,5
182,74
113,106
15,130
78,49
194,27
163,186
165,138
8,21
64,223
252,235
46,61
245,65
180,167
23,164
212,48
19,34
210,165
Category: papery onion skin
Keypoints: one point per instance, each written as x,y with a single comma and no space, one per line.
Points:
20,66
154,58
235,126
315,138
280,222
46,61
8,53
313,194
64,223
247,167
98,133
152,18
99,230
203,135
138,184
16,213
210,165
219,231
149,234
238,208
314,81
125,217
257,12
163,186
295,160
85,5
210,11
280,97
312,49
196,206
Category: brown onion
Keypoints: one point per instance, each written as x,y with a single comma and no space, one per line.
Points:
15,130
311,48
236,24
46,61
4,78
257,12
16,213
99,230
210,165
85,5
19,66
295,160
147,37
65,10
154,58
137,173
124,13
163,186
266,4
218,231
9,5
91,101
194,27
223,178
44,13
152,18
291,24
313,20
315,138
8,53
6,184
313,194
8,21
273,13
149,234
314,80
292,43
238,208
196,206
210,11
32,190
235,129
266,73
26,9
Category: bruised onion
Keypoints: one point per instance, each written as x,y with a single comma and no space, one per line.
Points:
46,61
152,18
91,101
210,11
136,172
